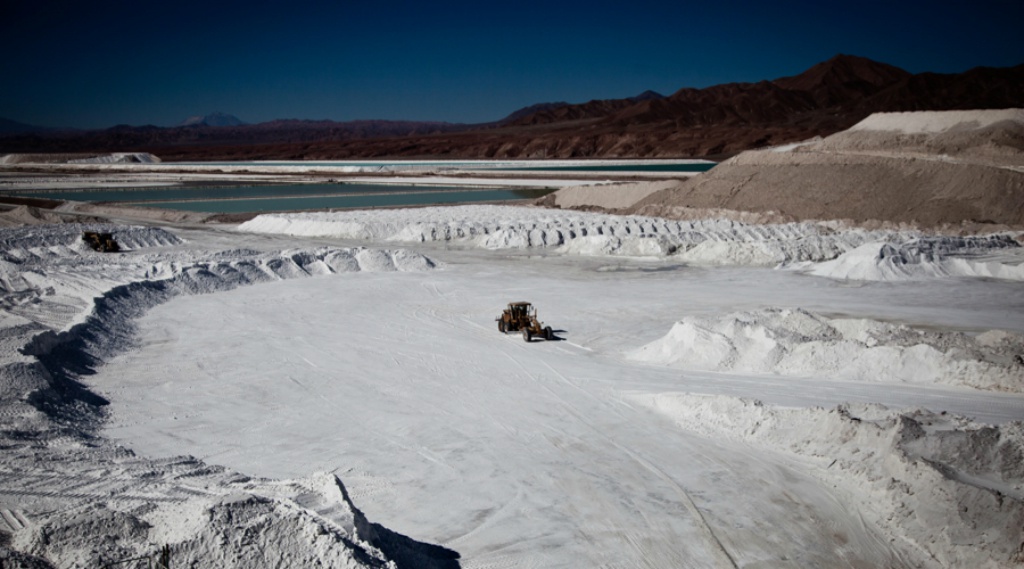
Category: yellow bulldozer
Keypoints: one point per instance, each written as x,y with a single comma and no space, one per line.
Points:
102,242
522,317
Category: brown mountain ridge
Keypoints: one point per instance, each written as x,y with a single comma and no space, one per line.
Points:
716,121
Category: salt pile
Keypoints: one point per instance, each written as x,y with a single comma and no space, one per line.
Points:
995,256
844,253
799,343
49,276
65,240
119,158
214,517
909,472
79,158
67,309
712,241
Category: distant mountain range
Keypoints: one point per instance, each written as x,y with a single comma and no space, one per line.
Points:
9,127
213,119
544,113
715,121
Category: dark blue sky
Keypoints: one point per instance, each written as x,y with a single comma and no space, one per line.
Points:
97,64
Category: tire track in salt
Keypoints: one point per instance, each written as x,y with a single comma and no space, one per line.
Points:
15,520
723,558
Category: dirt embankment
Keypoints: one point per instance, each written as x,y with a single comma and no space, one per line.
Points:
929,169
859,188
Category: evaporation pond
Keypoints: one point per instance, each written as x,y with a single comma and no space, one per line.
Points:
238,199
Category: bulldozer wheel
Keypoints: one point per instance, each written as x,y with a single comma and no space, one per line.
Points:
548,335
527,335
501,326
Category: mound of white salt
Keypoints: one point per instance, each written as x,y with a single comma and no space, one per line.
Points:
853,253
51,277
995,256
118,158
42,242
309,522
699,241
81,158
799,343
907,472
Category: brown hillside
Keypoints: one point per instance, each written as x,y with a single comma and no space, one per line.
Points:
717,121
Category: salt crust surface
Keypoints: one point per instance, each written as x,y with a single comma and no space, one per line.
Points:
67,308
909,472
822,249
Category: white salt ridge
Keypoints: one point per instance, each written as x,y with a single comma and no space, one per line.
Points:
842,253
40,243
297,263
66,308
909,472
49,275
714,241
799,343
214,519
997,256
119,158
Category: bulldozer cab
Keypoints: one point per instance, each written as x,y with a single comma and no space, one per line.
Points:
520,309
519,315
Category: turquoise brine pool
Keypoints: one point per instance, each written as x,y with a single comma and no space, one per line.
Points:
242,199
687,167
338,194
666,166
207,193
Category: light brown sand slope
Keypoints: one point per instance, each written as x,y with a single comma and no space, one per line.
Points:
608,196
928,168
22,215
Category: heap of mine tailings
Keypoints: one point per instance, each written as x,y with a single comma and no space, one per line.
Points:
927,168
